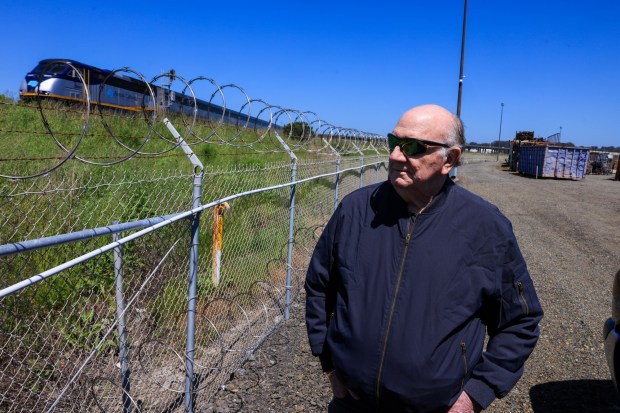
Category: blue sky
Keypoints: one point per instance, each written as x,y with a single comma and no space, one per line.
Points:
356,64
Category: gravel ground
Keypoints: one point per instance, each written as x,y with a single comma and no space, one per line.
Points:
569,233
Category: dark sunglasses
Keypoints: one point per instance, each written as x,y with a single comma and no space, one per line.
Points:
411,146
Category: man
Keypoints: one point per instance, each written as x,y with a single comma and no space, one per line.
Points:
409,276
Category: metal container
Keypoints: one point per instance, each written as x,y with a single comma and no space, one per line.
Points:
553,161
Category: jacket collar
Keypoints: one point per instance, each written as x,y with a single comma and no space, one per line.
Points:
391,209
398,206
440,198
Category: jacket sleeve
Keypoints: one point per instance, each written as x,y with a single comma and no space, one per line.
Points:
512,318
321,291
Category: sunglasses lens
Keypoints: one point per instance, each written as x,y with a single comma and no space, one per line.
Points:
412,147
392,142
408,146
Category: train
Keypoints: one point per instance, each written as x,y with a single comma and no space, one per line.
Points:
58,79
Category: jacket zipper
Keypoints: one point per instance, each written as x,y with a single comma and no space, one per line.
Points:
464,355
410,226
522,297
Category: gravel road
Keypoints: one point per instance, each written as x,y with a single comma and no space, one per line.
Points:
569,233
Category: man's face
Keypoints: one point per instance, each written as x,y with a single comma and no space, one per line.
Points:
416,172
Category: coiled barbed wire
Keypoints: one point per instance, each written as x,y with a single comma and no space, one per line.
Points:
254,124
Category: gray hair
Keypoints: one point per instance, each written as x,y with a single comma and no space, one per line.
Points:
456,133
455,137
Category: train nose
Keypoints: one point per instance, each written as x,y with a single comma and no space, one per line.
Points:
31,85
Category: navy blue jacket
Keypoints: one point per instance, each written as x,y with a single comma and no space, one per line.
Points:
400,304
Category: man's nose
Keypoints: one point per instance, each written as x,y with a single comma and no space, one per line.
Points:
398,155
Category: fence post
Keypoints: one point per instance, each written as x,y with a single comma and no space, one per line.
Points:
291,232
376,164
361,169
291,227
337,183
193,268
191,294
361,164
121,326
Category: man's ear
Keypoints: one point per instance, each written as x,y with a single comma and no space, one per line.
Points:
452,158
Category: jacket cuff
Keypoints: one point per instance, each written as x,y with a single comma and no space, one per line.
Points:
480,392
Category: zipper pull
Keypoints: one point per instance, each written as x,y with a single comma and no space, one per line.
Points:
521,291
465,366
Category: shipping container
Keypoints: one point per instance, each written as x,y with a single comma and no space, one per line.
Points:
553,161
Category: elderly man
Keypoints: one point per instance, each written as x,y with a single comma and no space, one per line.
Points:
408,278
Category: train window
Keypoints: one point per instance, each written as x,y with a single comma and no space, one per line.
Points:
50,68
96,76
56,68
38,68
72,73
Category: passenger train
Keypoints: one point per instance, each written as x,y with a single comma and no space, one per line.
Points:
57,78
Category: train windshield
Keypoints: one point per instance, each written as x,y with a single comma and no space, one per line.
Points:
50,68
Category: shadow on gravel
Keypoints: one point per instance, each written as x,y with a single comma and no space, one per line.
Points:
574,396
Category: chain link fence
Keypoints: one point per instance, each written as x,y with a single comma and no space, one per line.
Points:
105,319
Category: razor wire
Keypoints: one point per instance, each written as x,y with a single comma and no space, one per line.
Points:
85,128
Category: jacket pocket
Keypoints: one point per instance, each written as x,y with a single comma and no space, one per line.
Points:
521,294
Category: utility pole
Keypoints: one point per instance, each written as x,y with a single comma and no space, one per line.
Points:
453,171
499,138
458,105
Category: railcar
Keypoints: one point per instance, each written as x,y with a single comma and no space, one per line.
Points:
54,78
